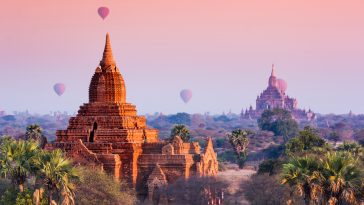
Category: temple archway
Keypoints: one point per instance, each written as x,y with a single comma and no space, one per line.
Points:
92,133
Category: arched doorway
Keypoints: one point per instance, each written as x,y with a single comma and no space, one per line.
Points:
92,133
156,195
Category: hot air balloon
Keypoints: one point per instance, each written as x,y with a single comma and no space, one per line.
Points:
59,88
186,95
282,85
103,12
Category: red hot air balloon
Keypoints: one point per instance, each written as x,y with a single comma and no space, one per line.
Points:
103,12
59,88
186,95
282,85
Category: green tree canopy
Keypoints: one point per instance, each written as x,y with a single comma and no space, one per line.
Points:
179,118
343,178
307,140
17,160
181,131
239,141
335,178
35,132
279,121
96,187
352,147
58,174
301,174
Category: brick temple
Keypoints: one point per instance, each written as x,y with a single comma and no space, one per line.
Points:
274,96
108,133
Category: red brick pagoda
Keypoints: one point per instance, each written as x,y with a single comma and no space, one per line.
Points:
108,133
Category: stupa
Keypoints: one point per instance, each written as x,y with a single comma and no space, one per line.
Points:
108,133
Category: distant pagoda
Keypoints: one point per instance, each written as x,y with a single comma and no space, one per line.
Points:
274,96
107,133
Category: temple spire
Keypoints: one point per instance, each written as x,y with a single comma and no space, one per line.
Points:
273,71
107,58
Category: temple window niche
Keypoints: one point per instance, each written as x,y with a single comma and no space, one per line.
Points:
92,133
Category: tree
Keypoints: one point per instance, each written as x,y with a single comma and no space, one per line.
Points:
334,136
195,190
303,175
35,132
16,160
307,140
96,187
239,141
343,178
359,136
336,178
279,121
181,131
57,173
270,166
179,118
265,189
352,147
5,139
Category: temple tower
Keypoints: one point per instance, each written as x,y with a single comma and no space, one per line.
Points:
107,84
108,133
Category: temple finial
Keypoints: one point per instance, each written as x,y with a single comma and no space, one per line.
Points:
107,58
273,71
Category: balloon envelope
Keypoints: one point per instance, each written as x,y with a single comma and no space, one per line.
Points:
103,12
59,88
282,85
186,95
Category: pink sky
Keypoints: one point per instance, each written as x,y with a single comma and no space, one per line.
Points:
220,49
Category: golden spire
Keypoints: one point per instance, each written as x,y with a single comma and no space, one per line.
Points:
107,58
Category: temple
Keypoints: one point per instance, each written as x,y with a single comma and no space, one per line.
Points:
274,96
107,133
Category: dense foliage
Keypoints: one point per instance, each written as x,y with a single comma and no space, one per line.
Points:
314,172
179,118
96,187
279,121
22,160
32,176
193,191
307,140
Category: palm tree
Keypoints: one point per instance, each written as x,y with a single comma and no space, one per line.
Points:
353,147
303,174
239,141
57,173
181,131
16,160
35,132
343,178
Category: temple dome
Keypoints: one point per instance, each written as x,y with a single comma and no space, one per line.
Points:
107,84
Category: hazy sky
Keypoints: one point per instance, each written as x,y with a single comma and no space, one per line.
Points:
220,49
